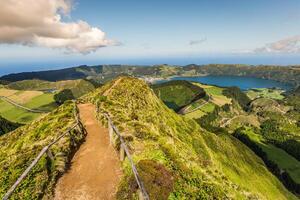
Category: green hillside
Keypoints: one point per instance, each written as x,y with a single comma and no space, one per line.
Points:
177,94
78,87
286,74
283,165
176,158
20,147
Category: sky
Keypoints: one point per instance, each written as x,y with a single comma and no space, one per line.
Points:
46,34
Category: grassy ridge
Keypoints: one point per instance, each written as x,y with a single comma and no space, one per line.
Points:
194,163
19,148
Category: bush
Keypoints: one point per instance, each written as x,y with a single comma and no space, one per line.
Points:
63,96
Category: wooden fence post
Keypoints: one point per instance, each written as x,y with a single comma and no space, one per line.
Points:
122,153
141,196
111,133
49,154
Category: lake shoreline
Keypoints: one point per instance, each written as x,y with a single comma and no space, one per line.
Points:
243,82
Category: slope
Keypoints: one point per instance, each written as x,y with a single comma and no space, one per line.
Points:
177,94
7,126
20,147
176,158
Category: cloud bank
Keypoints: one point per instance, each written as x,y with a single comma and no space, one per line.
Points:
288,45
39,23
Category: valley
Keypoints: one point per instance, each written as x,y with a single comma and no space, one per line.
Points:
188,139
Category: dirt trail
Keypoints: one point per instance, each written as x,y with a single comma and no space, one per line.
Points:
95,169
107,92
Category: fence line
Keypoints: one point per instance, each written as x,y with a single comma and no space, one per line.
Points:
42,152
20,106
124,149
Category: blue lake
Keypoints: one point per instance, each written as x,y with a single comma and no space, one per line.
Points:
244,83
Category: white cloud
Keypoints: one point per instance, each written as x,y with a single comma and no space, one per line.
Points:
288,45
196,42
39,23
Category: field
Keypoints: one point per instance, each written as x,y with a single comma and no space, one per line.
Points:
30,99
215,97
195,114
279,156
78,87
265,92
215,93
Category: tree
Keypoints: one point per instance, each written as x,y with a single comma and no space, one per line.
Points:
63,96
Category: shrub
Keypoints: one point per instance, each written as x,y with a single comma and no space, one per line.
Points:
63,96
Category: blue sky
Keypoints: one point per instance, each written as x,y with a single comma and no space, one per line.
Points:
171,31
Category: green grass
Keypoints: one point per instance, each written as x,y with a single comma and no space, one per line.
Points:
15,114
216,94
279,156
265,92
19,148
213,90
79,87
42,102
12,113
207,108
196,164
195,114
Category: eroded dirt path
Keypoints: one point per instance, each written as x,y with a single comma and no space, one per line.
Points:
95,169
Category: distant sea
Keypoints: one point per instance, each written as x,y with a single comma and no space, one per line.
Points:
16,66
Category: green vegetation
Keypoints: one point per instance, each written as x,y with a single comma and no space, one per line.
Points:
7,126
176,158
19,148
43,102
15,114
236,94
195,114
280,163
266,93
26,93
215,93
177,94
78,87
286,74
271,131
63,96
209,107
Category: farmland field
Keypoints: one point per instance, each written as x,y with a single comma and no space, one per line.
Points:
30,99
266,93
216,94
